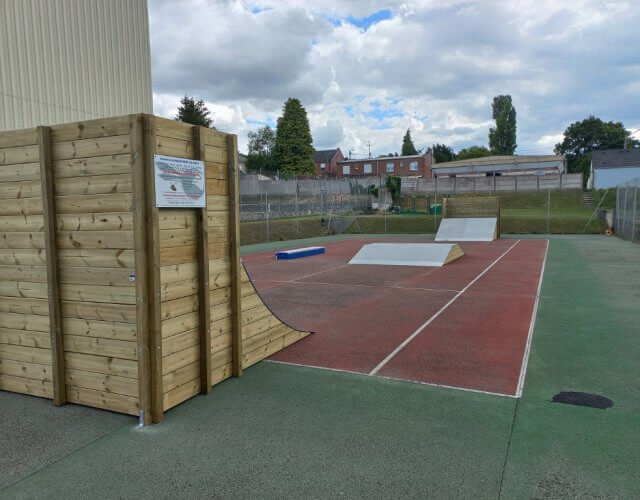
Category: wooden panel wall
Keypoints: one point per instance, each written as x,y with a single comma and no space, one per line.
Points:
92,173
25,344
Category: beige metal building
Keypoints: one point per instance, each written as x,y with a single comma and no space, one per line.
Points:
72,60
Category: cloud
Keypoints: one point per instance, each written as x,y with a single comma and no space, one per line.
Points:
367,70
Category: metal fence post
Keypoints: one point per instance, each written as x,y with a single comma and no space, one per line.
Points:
548,210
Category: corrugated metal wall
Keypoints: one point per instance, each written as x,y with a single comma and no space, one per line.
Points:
71,60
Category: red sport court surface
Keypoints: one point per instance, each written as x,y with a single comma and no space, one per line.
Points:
464,325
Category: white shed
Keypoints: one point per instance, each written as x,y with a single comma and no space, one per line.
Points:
611,167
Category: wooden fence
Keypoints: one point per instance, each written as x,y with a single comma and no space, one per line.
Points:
478,206
107,300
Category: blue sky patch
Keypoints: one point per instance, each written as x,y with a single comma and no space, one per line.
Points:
381,114
257,10
365,23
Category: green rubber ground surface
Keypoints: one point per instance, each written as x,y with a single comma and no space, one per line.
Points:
287,431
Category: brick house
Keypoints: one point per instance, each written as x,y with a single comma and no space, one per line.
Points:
327,161
403,166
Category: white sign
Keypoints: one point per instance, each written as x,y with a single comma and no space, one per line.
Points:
179,182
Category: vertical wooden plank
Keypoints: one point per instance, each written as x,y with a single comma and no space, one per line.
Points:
153,271
202,243
140,259
234,241
444,208
51,245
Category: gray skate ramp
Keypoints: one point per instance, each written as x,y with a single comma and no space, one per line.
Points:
407,254
468,229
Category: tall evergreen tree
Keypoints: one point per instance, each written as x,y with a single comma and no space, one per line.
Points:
293,150
442,153
194,112
502,137
408,148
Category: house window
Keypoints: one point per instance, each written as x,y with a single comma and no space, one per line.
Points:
389,167
322,165
367,168
346,169
413,166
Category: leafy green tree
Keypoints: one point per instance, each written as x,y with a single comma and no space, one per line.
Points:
442,153
408,148
472,152
502,137
293,150
393,184
580,138
194,112
261,144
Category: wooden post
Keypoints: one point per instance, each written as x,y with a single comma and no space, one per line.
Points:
141,267
444,208
498,217
51,250
153,271
202,243
234,240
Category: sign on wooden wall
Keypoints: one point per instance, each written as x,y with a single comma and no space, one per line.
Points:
179,182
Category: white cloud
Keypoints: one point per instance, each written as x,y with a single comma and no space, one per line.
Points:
433,67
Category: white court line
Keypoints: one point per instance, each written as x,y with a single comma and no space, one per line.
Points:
299,278
430,384
432,318
367,286
525,357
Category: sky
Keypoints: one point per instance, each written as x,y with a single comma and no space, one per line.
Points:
368,70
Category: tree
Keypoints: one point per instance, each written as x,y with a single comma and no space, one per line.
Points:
261,144
393,184
502,137
408,149
293,150
194,112
442,153
472,152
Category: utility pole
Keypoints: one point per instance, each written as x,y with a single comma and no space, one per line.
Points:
369,144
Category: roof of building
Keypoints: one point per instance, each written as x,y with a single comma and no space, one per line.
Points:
346,160
242,158
498,160
610,158
325,155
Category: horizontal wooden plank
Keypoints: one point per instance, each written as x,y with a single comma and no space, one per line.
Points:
179,324
216,202
179,359
216,170
178,272
220,342
220,311
24,305
24,369
251,301
251,329
20,172
221,373
173,129
176,219
220,280
174,147
101,364
19,321
41,388
95,257
215,219
83,148
177,237
215,138
118,276
262,352
217,186
96,239
221,357
95,184
178,255
180,342
23,289
25,353
113,221
219,233
34,274
98,293
216,154
178,307
100,399
219,249
219,295
217,266
177,289
220,327
27,338
26,257
111,384
99,165
265,337
20,223
19,154
100,347
180,394
120,313
255,314
99,329
22,137
20,189
102,127
180,376
94,203
24,206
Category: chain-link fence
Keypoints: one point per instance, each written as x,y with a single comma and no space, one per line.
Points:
627,223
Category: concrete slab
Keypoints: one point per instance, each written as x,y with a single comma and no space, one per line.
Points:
468,229
407,254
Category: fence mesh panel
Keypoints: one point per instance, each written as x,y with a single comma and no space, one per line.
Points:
628,210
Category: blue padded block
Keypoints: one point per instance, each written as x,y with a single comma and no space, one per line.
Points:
299,252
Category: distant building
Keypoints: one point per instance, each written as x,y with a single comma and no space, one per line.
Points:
242,163
327,160
403,166
610,167
502,165
72,61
